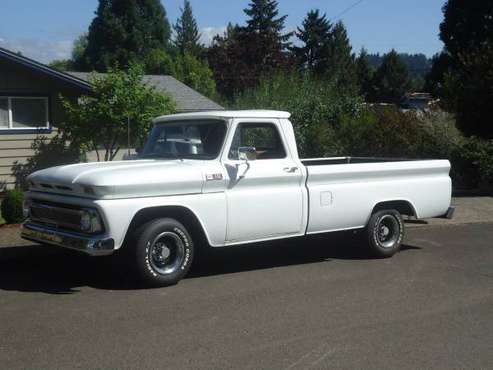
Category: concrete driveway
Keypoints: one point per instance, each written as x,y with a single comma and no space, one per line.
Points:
291,305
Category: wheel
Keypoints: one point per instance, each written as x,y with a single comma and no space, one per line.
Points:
163,252
385,232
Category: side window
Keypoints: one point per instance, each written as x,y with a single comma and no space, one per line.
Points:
264,137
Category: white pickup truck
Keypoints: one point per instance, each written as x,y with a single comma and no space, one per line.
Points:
216,179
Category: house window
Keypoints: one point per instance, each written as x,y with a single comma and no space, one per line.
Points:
23,112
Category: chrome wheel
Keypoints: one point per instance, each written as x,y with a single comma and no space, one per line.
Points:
388,231
166,253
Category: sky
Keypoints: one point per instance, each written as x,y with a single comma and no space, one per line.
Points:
45,29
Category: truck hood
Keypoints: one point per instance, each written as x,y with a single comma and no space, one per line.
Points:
124,179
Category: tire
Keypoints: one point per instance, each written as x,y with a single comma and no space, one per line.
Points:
163,252
384,233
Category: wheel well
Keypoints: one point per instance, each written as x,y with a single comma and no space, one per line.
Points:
182,214
402,206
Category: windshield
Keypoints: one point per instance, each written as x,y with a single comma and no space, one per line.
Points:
185,139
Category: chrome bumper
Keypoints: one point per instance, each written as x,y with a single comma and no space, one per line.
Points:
94,246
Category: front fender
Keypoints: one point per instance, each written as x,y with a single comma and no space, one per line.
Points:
209,210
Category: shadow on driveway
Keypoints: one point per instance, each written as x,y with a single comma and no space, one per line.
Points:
57,271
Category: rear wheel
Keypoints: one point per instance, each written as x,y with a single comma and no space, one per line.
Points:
163,252
385,232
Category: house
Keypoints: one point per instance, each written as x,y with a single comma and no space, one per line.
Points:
30,104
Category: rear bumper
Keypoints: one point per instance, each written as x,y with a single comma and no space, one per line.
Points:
94,246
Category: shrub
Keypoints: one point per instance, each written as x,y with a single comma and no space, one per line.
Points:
12,206
472,165
316,107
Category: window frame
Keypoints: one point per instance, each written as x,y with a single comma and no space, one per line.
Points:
259,123
10,128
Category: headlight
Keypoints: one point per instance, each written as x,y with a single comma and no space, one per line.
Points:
26,205
90,222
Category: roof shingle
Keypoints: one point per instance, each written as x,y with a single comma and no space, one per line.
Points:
186,98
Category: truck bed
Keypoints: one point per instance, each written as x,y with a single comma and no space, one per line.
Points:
343,191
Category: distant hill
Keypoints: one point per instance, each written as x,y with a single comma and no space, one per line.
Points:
418,64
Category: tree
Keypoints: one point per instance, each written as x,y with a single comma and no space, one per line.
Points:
159,62
244,54
232,72
469,89
341,57
187,33
467,25
364,73
265,27
195,73
462,75
61,64
75,63
100,120
391,80
125,31
441,64
315,34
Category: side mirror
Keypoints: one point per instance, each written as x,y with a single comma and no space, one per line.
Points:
247,153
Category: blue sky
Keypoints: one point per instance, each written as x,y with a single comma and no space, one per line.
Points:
45,29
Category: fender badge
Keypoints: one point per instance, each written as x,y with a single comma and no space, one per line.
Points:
213,176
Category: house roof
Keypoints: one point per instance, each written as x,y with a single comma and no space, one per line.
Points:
186,98
32,64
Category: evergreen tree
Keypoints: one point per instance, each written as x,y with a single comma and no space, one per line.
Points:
364,73
125,31
467,25
264,29
463,73
341,56
187,33
391,79
315,34
240,57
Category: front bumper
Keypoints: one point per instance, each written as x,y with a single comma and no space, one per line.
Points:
92,245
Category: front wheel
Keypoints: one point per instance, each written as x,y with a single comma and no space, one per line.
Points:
163,252
385,232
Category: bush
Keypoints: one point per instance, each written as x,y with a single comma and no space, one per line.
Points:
12,206
330,121
316,107
472,165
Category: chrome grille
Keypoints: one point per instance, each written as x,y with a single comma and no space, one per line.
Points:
62,217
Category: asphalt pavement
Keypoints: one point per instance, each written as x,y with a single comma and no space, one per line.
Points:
298,304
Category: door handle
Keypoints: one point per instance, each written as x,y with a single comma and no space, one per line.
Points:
290,169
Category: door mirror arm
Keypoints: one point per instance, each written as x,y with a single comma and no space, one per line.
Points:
246,154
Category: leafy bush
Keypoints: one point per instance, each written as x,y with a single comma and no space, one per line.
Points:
317,107
330,121
472,165
12,206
